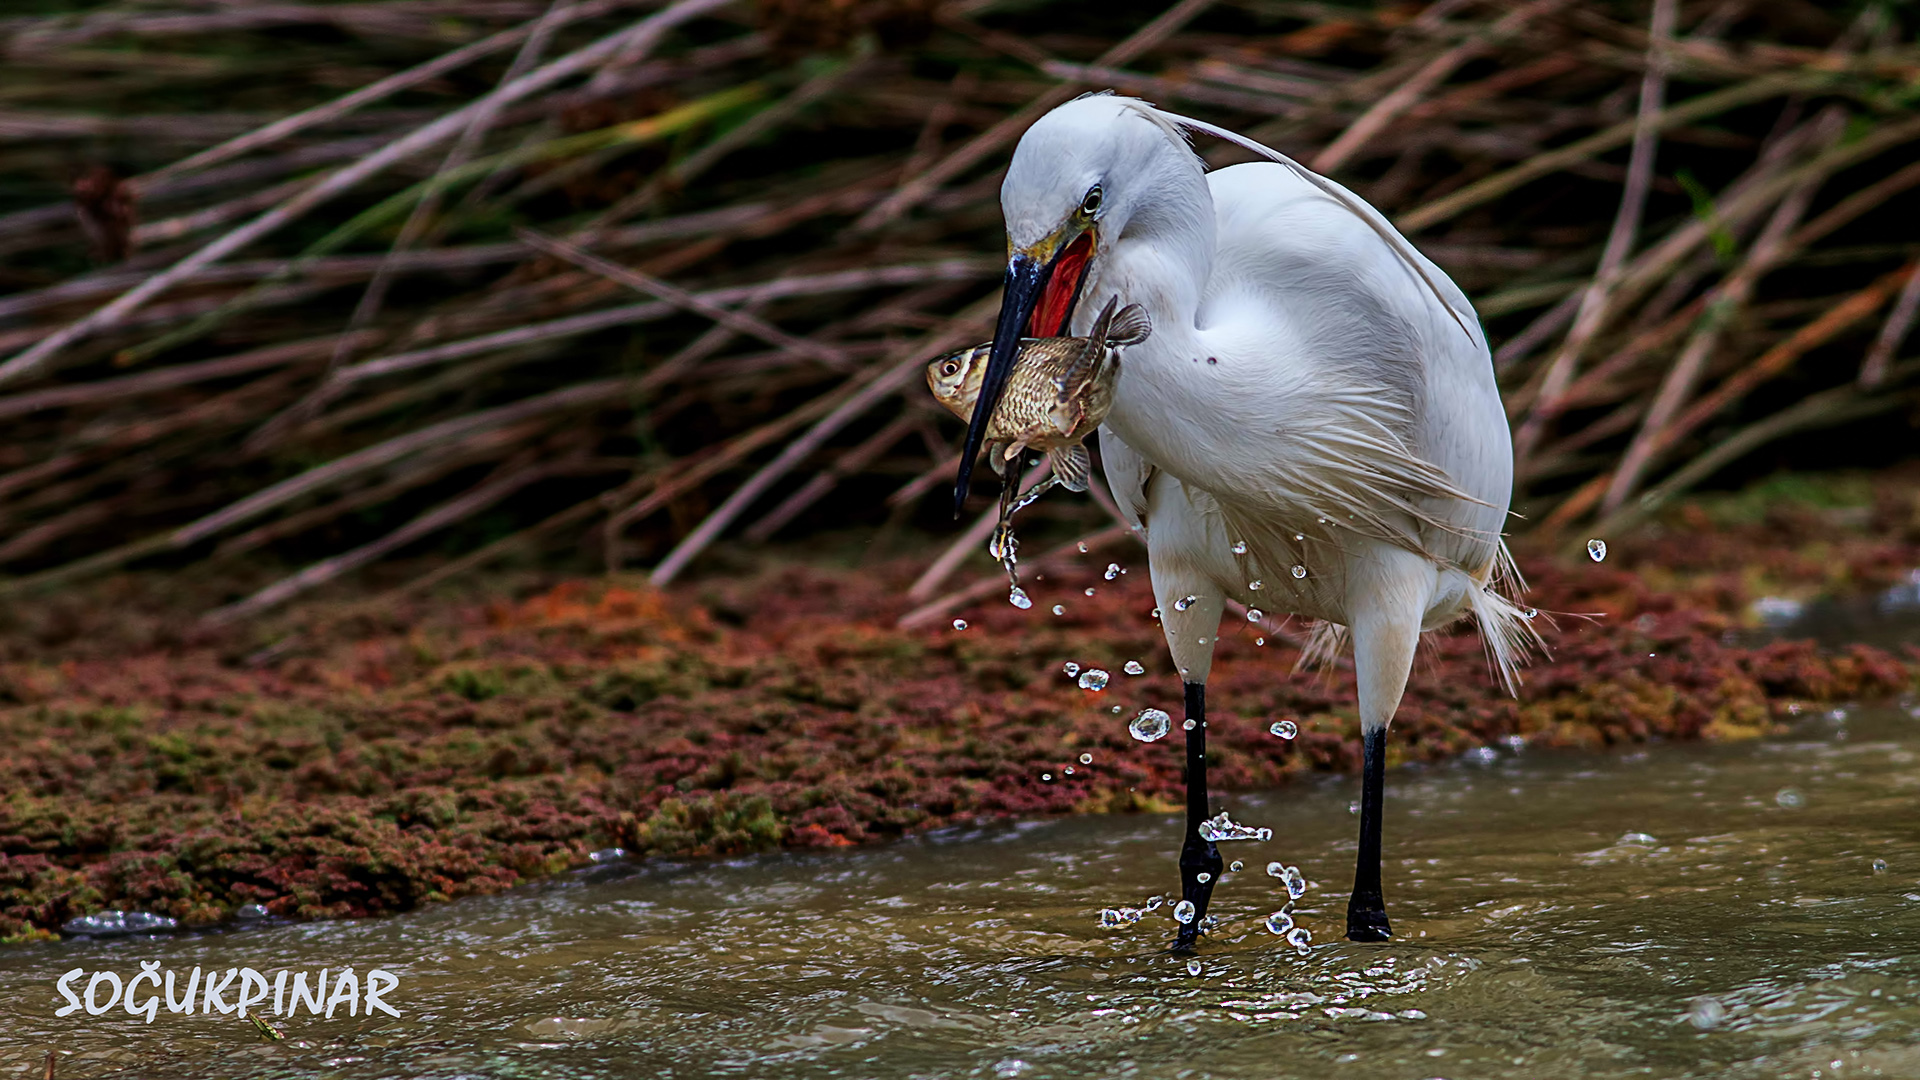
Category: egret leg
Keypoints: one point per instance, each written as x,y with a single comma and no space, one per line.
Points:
1386,631
1198,855
1367,909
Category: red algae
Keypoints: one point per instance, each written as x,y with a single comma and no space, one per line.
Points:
459,750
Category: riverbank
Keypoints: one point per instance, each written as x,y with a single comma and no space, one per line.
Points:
383,758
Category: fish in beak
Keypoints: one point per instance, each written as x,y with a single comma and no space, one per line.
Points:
1042,286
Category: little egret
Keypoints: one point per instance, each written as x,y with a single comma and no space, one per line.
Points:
1312,428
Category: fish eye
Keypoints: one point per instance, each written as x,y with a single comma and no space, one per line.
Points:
950,367
1090,202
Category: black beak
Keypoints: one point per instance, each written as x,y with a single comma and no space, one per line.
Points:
1025,278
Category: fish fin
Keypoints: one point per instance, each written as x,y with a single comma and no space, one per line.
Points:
1073,466
1066,414
1130,326
1104,320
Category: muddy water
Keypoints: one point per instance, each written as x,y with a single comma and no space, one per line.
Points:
1746,934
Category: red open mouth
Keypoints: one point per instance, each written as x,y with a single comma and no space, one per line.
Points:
1062,289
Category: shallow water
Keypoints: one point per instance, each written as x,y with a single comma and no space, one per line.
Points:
1534,943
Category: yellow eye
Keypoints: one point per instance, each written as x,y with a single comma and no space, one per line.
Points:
1090,205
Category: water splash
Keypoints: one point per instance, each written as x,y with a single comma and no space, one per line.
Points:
1279,923
1300,937
1019,598
1221,827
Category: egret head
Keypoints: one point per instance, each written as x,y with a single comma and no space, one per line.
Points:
1080,176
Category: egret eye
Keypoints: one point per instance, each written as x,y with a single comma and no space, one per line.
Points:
1090,203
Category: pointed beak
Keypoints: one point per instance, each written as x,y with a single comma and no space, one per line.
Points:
1026,276
1030,285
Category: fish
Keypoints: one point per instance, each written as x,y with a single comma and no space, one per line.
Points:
1059,391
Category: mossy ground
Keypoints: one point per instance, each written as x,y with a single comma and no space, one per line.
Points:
383,758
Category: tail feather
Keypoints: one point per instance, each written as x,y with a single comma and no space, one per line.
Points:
1506,625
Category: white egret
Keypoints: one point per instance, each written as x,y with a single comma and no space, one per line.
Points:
1312,428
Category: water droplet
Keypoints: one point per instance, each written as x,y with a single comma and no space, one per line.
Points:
1111,919
1256,586
1059,609
1299,571
1113,570
1298,536
1156,613
1279,923
1150,725
1259,641
1300,937
1086,759
1239,547
1185,602
1068,770
1263,834
1154,903
1530,614
1009,1068
1070,668
1286,729
1237,866
1597,550
1133,667
1093,679
1254,614
1193,967
1637,839
1879,866
1296,883
1203,877
1047,776
1089,590
1187,724
1275,869
612,854
1116,710
959,624
1790,798
1083,547
1019,598
1202,641
1183,912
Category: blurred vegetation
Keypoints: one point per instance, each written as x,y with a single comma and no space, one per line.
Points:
1687,225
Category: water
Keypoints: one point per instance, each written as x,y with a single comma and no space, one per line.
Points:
1733,937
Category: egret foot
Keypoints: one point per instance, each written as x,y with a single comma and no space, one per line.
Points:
1197,857
1367,919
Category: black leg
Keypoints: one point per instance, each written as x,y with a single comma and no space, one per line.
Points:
1197,855
1367,911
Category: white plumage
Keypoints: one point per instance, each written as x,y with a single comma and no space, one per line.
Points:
1314,388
